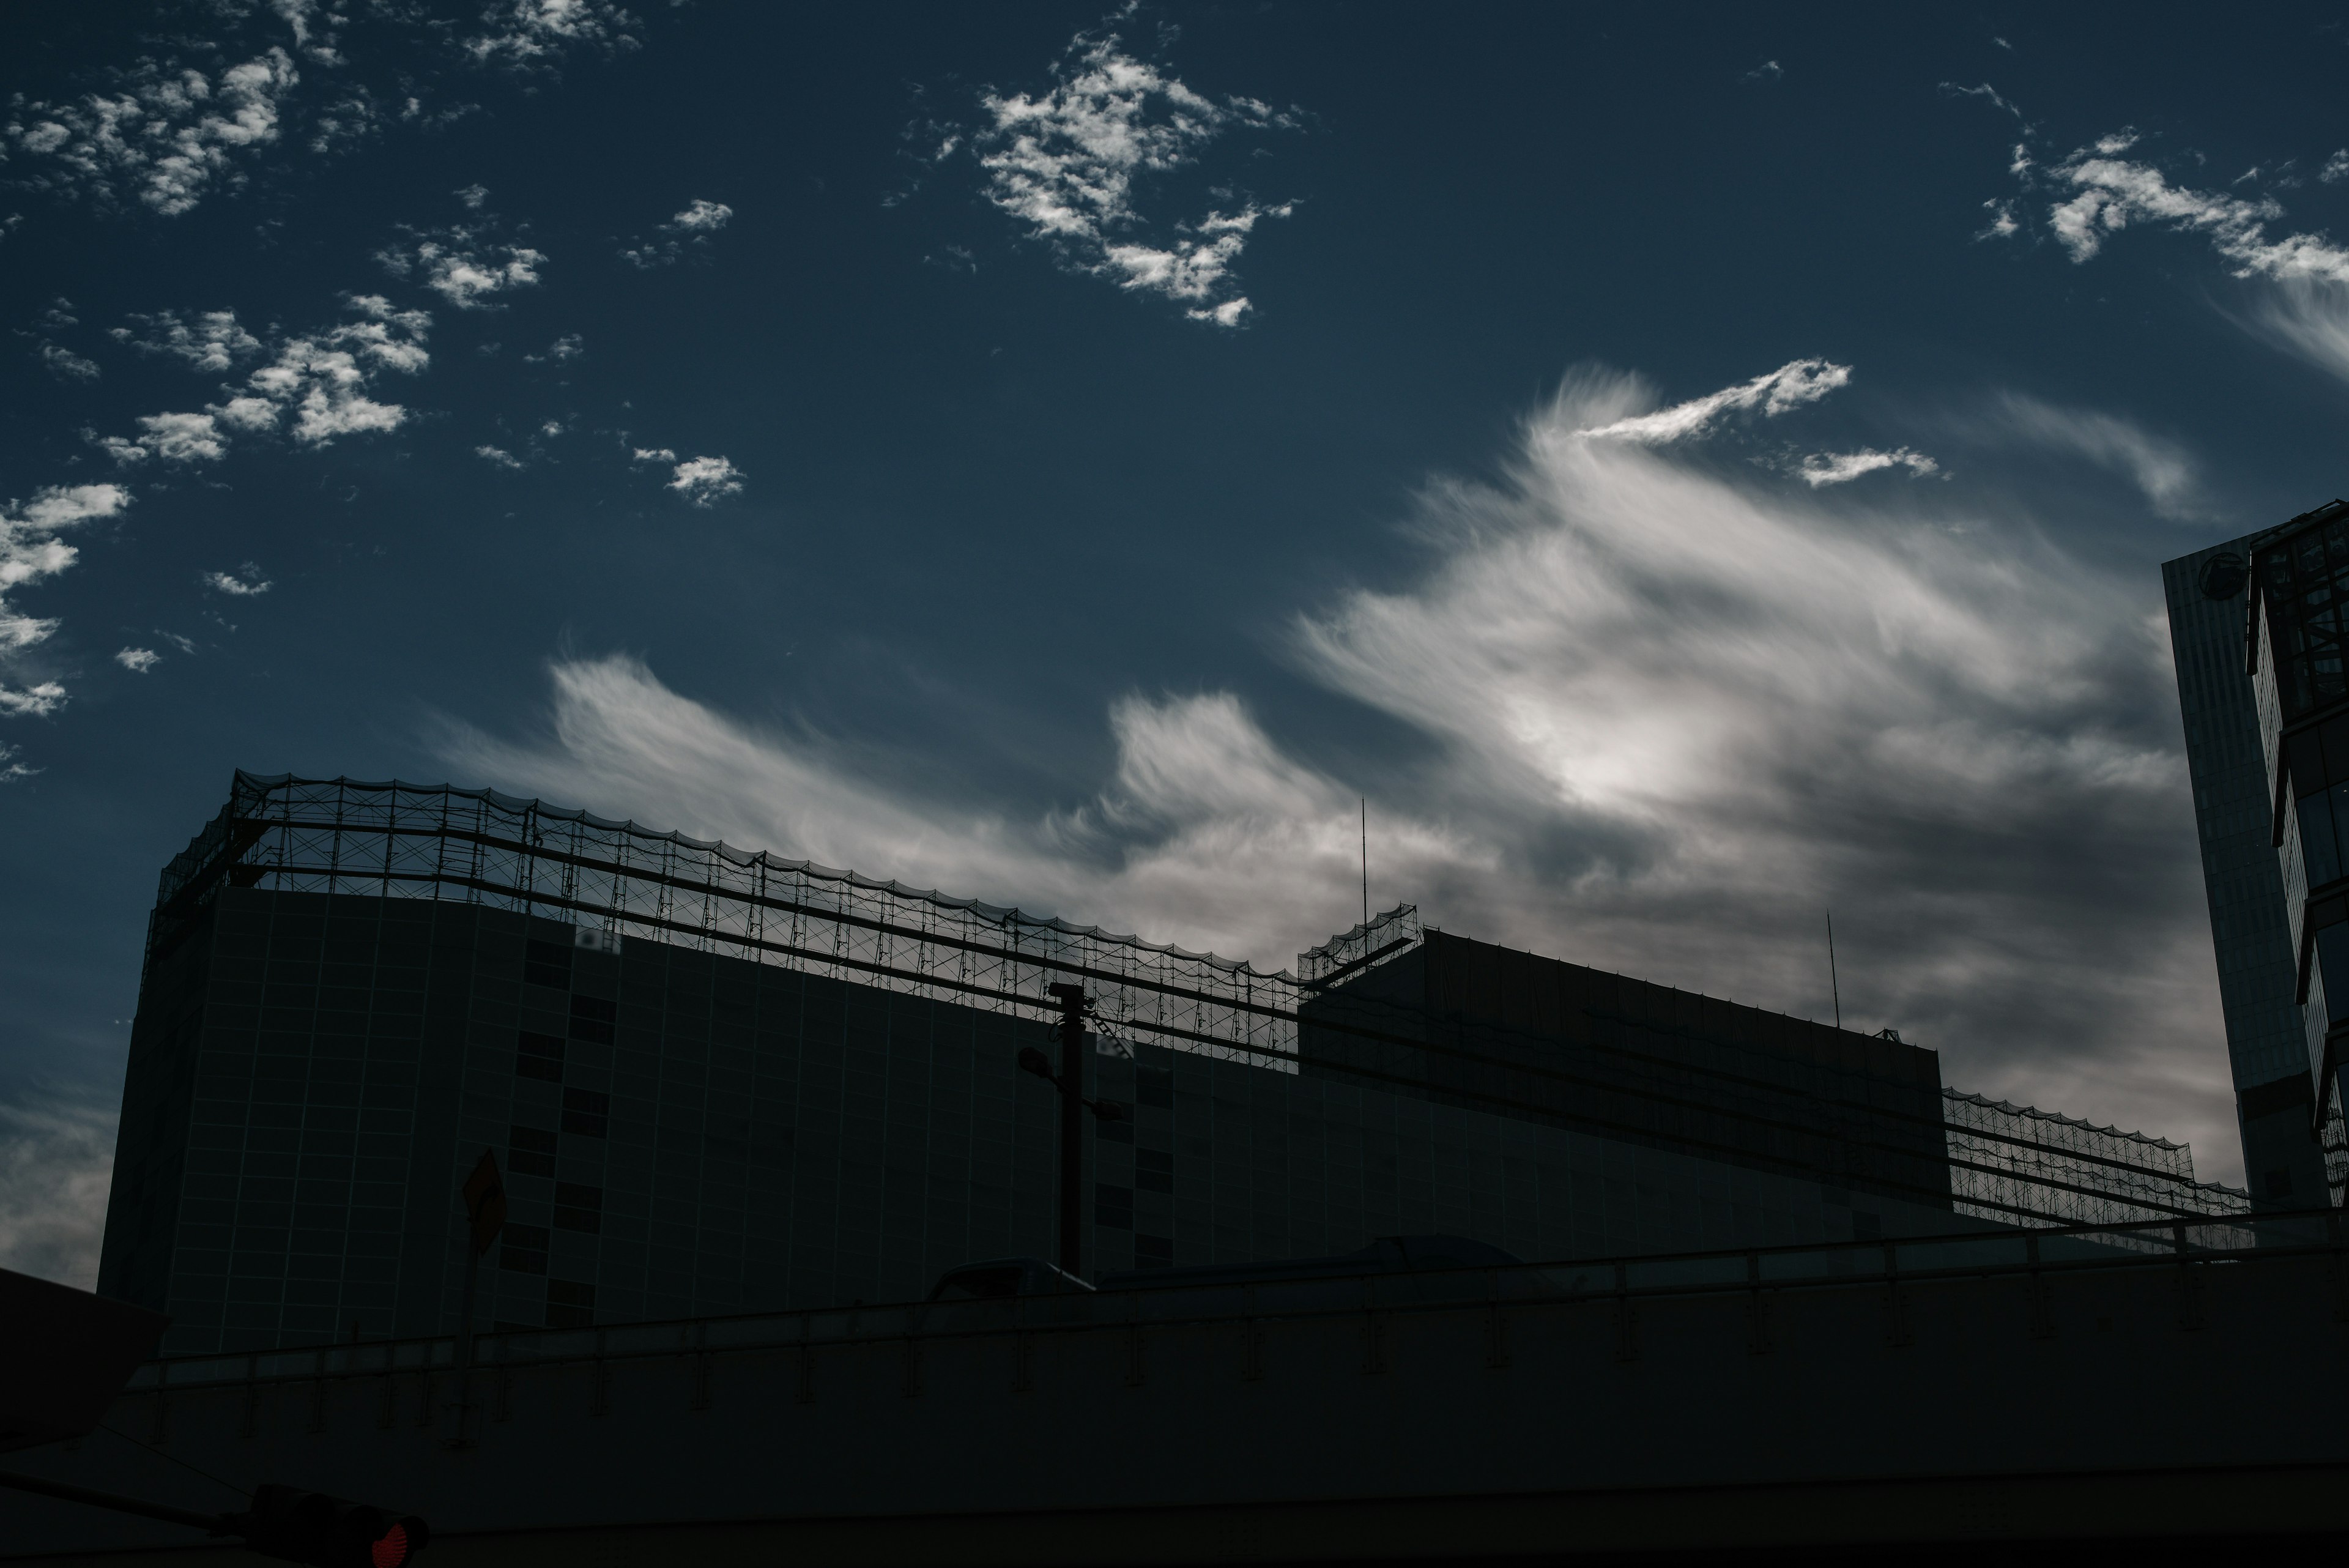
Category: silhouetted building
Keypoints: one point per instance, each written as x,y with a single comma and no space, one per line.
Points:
2298,624
2235,817
722,1082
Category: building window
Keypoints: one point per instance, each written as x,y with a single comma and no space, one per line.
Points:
570,1304
530,1151
539,1056
1152,1251
1114,1206
1155,1086
586,1113
1153,1170
578,1207
522,1249
544,963
1119,1130
591,1019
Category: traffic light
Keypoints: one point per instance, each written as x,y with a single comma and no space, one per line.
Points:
298,1526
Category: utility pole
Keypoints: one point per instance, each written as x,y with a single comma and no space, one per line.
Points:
1070,1080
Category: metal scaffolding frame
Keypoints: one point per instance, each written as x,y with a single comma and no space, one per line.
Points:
2013,1164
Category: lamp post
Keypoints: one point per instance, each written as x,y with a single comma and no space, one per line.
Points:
1070,1080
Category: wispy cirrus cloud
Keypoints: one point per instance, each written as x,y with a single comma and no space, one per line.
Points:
2300,280
1069,164
1787,388
56,1167
1661,713
1824,468
2162,469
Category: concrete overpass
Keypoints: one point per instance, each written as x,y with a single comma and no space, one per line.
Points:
2169,1389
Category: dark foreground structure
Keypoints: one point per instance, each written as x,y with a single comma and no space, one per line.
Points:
1787,1290
718,1082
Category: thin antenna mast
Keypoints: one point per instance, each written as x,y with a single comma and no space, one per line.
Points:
1834,985
1366,860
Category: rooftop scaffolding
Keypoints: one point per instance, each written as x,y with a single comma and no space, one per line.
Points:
2017,1165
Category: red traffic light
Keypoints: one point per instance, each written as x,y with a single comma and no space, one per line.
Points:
328,1531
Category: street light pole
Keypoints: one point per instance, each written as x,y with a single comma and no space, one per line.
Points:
1070,1080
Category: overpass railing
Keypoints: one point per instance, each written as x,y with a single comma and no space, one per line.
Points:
1902,1261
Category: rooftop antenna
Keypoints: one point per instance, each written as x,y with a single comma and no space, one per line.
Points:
1833,987
1366,860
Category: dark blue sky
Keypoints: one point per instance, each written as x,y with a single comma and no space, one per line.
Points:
983,554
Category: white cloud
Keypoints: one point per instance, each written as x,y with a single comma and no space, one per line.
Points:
1842,467
248,582
472,195
1984,91
2301,280
138,660
1066,163
67,366
1790,386
323,379
655,454
1768,70
57,1167
166,140
212,341
524,33
461,267
693,226
2162,469
497,457
11,770
33,702
31,551
568,347
1661,713
704,480
2336,168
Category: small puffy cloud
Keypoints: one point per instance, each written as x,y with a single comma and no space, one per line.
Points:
1066,163
321,379
212,341
1821,468
138,660
1790,386
462,266
30,549
534,34
31,702
11,770
473,195
1768,70
704,480
247,583
497,457
165,139
655,454
2336,168
67,366
692,226
568,347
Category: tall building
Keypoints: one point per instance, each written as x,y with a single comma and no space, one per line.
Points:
2235,818
2297,633
722,1082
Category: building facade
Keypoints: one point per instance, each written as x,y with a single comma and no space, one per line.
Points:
2296,637
2234,815
723,1082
